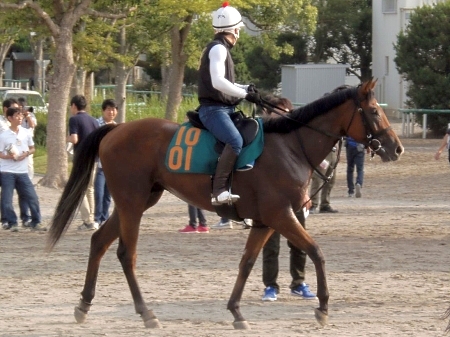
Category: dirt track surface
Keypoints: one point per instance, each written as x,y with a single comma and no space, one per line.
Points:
387,261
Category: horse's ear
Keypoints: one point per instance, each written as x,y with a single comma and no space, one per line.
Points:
368,86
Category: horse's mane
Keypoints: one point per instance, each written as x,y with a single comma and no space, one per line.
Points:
304,114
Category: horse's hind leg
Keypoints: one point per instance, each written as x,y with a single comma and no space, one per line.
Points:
257,237
100,242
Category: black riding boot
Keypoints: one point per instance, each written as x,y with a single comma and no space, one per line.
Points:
224,168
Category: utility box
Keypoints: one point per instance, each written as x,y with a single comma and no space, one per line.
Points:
304,83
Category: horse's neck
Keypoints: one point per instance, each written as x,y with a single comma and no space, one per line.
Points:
316,141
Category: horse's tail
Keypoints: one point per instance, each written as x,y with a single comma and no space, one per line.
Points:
72,196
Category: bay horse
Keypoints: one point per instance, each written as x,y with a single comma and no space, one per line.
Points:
133,158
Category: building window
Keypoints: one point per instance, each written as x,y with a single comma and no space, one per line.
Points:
389,6
386,65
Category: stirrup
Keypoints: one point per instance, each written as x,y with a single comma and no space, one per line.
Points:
224,198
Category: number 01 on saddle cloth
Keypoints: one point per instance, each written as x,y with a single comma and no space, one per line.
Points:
191,150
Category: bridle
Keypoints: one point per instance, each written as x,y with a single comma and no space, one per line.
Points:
371,140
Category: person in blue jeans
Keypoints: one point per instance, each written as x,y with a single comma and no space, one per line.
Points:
25,215
102,198
218,94
193,226
355,153
16,145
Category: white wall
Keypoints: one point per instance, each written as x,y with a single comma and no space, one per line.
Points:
385,28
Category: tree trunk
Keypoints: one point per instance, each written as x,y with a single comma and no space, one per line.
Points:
122,74
78,82
4,48
89,89
64,70
39,67
165,74
176,75
120,94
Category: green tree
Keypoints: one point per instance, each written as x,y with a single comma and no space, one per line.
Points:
344,33
423,58
60,18
268,14
264,56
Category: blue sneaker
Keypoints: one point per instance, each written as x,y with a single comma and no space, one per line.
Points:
270,294
303,291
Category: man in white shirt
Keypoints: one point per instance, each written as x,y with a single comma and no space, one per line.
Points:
4,125
16,144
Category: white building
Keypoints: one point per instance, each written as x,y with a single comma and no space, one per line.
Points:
389,17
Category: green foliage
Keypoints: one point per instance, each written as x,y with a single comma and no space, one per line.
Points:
423,59
344,33
263,56
40,132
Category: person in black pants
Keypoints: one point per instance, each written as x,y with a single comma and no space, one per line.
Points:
271,250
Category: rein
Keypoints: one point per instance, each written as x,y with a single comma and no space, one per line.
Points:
371,141
326,179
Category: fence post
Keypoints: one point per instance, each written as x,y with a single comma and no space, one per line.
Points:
424,126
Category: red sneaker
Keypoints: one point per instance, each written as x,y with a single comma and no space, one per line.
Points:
203,229
188,229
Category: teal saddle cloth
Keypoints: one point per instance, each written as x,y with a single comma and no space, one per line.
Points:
191,150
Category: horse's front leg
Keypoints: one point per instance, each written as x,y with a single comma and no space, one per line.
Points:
301,239
100,242
257,238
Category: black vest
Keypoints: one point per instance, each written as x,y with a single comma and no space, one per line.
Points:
207,95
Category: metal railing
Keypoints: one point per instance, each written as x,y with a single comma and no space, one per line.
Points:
408,117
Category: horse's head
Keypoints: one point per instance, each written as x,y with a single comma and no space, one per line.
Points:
369,125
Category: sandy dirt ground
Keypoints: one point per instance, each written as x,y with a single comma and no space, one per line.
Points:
387,261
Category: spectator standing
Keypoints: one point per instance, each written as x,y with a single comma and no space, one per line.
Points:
194,227
16,145
25,215
355,153
444,145
29,122
102,198
297,262
320,189
81,124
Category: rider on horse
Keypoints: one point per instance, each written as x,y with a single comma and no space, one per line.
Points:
218,95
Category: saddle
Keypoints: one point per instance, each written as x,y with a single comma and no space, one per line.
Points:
247,126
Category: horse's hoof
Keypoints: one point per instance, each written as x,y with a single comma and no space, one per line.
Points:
80,315
152,323
321,317
241,325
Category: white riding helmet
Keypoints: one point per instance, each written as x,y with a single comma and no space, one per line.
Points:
227,18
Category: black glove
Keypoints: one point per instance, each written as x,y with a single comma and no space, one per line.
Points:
251,88
254,97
